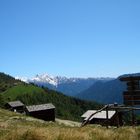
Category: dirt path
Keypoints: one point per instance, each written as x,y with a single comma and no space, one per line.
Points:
68,122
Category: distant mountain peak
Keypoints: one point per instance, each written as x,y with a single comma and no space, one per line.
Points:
69,86
45,78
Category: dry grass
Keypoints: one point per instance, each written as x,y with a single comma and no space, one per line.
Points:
56,132
24,128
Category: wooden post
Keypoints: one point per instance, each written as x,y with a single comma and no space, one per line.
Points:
107,117
118,119
132,101
133,117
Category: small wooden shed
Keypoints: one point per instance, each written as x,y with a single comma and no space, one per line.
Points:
16,106
44,111
101,118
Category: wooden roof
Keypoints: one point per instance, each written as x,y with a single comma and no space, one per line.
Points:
129,78
15,103
99,115
34,108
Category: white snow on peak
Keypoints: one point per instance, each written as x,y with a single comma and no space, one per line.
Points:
45,78
54,80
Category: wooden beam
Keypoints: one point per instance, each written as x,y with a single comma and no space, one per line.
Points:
123,108
129,98
132,102
130,83
129,78
136,92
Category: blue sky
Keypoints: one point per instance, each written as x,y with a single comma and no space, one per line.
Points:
74,38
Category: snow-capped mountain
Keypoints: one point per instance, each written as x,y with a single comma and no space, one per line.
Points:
68,86
103,90
44,79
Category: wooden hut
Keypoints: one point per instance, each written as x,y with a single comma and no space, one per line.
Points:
44,111
16,106
131,95
101,117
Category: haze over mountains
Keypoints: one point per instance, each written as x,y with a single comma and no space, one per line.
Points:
104,92
68,86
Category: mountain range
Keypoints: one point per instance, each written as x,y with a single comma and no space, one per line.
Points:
102,90
68,86
107,92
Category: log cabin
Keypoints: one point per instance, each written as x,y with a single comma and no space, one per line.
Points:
16,106
44,111
114,118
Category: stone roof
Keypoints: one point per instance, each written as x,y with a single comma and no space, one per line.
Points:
34,108
99,115
15,103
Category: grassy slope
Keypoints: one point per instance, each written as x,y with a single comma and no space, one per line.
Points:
6,82
17,127
21,89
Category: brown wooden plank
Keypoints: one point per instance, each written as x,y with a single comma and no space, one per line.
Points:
137,92
136,102
129,97
129,78
133,88
130,83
